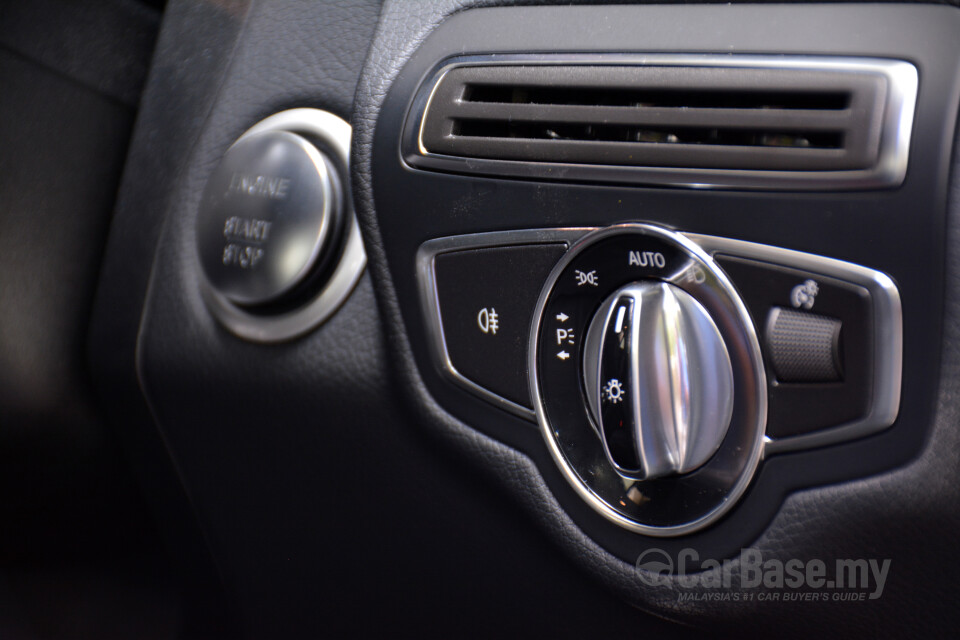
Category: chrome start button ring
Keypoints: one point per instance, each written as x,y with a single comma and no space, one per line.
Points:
332,135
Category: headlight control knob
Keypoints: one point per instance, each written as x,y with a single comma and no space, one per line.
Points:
658,380
647,379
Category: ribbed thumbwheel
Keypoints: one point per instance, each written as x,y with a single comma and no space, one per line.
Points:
648,380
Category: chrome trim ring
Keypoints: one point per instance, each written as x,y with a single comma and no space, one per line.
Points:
669,506
333,135
886,318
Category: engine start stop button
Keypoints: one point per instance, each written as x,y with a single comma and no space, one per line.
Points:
270,212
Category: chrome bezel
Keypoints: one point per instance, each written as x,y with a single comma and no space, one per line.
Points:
888,171
334,133
748,460
887,320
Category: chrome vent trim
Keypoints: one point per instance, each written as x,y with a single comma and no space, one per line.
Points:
831,123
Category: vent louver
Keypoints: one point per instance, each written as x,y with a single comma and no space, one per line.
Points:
722,121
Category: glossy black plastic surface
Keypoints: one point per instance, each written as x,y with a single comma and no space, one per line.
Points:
798,407
486,299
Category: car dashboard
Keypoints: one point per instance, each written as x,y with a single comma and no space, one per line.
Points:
462,318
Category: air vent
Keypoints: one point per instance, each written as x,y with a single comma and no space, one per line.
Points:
698,120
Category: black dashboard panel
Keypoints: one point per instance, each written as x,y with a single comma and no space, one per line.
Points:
872,229
343,482
898,232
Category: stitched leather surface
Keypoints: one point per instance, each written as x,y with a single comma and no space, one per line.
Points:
908,516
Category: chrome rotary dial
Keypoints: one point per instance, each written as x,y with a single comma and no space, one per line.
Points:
658,381
648,380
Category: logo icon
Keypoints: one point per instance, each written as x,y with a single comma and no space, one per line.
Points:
654,567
